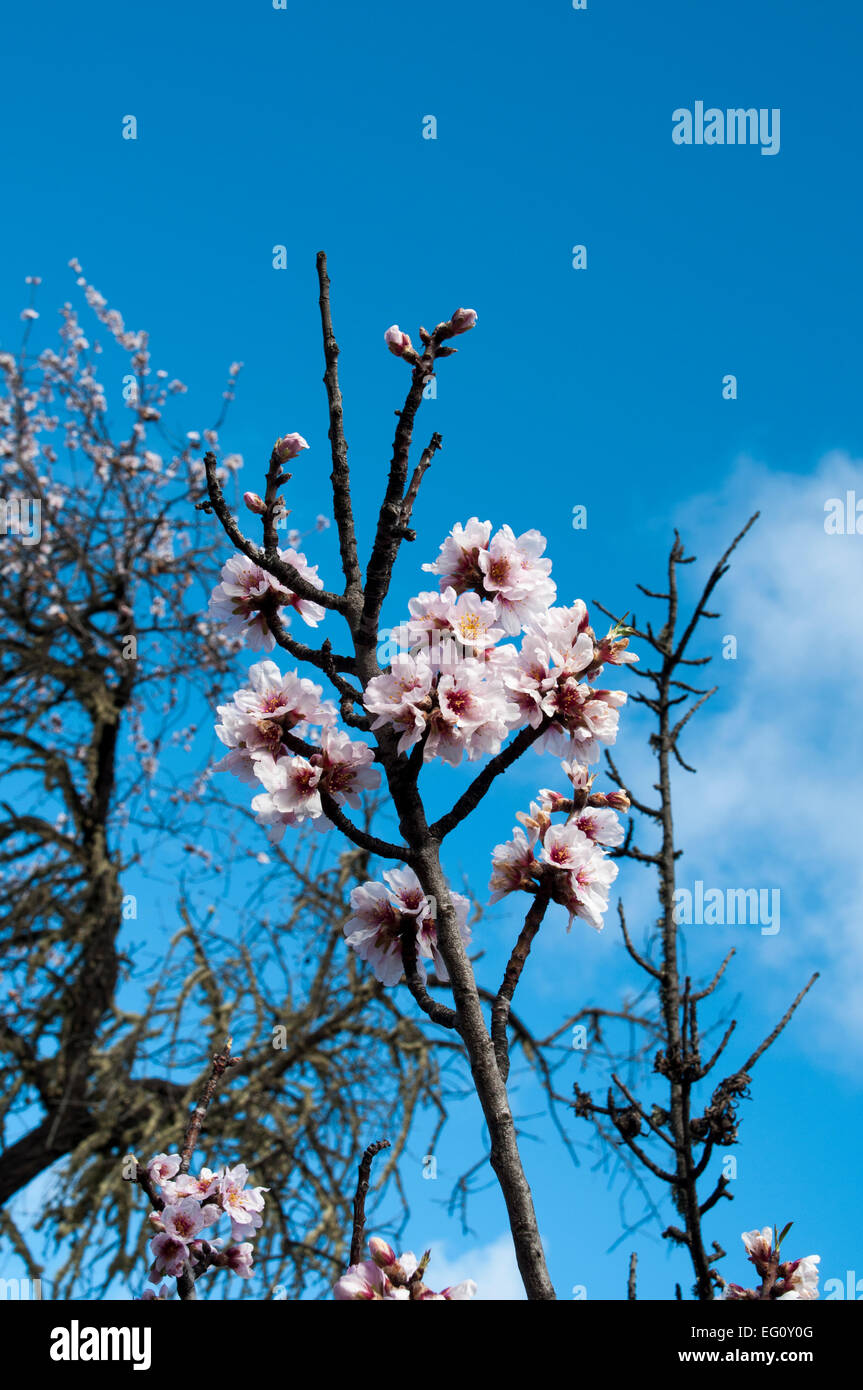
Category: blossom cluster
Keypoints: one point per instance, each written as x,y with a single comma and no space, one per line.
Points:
247,594
254,727
454,684
381,913
781,1279
570,859
387,1276
194,1204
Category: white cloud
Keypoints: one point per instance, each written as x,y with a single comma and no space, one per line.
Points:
492,1266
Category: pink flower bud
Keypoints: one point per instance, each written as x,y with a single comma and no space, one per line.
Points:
396,341
383,1254
463,319
254,503
618,801
288,446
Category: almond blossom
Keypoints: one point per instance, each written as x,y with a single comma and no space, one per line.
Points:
366,1282
171,1257
291,795
569,858
401,697
509,569
163,1167
458,563
192,1204
514,572
243,1205
397,1278
248,592
184,1220
380,914
262,713
513,866
346,767
780,1279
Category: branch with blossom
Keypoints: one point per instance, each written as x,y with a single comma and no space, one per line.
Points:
483,668
184,1205
780,1279
386,1276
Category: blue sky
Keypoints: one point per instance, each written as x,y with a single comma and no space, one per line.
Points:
600,387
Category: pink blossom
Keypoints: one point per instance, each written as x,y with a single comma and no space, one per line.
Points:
800,1278
447,626
346,767
386,1277
263,712
427,937
291,794
600,825
247,591
514,572
172,1256
406,892
473,715
289,700
584,719
310,612
566,847
288,446
513,866
243,1205
583,887
458,1292
373,931
396,341
474,622
401,697
204,1185
243,591
613,649
382,1252
759,1246
381,911
366,1282
238,1259
163,1167
458,561
187,1217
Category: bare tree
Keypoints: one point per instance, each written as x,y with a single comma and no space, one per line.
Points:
105,667
671,1142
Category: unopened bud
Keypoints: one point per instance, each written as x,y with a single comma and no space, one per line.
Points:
254,503
288,446
398,342
383,1254
619,801
554,801
463,319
